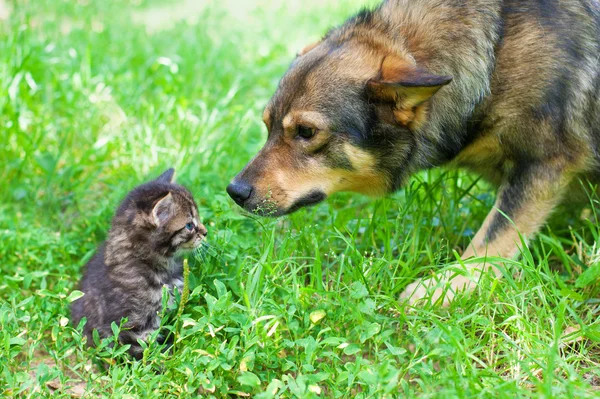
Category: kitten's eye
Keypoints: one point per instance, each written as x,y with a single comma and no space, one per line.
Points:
306,133
189,226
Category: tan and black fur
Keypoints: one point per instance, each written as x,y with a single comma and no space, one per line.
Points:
508,89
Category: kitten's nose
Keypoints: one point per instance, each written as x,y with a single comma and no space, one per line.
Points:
239,191
202,230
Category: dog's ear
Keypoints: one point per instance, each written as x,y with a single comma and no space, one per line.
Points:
307,48
406,87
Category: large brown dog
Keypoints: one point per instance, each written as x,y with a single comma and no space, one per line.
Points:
509,89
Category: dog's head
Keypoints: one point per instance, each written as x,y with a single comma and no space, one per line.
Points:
344,118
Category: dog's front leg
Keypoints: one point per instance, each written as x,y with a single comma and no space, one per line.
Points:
524,202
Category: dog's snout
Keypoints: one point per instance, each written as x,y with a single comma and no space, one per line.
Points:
239,191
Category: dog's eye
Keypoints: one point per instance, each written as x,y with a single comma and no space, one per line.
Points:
189,226
306,132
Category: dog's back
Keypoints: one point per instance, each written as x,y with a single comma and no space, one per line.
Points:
547,79
528,70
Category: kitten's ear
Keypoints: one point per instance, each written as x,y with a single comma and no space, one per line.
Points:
163,210
168,176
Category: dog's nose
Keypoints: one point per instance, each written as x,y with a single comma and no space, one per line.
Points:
239,191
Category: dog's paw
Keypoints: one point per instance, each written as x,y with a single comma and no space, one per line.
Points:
441,287
423,290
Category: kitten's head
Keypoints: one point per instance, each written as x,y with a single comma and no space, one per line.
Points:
161,216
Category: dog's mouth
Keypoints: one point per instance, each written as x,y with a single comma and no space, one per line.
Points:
270,208
311,199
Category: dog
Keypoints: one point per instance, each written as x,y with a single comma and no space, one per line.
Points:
507,89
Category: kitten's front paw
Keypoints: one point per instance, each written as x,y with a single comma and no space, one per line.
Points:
440,287
166,340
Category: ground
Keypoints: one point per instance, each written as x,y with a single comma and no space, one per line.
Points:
97,96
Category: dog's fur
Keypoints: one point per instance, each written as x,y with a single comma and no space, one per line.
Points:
509,89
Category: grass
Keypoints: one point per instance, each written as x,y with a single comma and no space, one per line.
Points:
100,95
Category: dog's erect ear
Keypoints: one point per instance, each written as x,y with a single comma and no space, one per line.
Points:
163,210
406,86
306,49
167,176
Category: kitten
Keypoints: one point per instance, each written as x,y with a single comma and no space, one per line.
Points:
125,277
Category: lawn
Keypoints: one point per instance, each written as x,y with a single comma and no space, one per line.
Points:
97,96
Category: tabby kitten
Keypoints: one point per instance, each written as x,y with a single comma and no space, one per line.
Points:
125,277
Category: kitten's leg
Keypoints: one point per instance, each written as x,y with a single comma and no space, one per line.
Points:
176,282
132,332
166,337
166,340
150,323
130,337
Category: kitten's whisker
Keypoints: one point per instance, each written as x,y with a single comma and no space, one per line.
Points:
207,244
211,249
213,246
200,254
212,252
